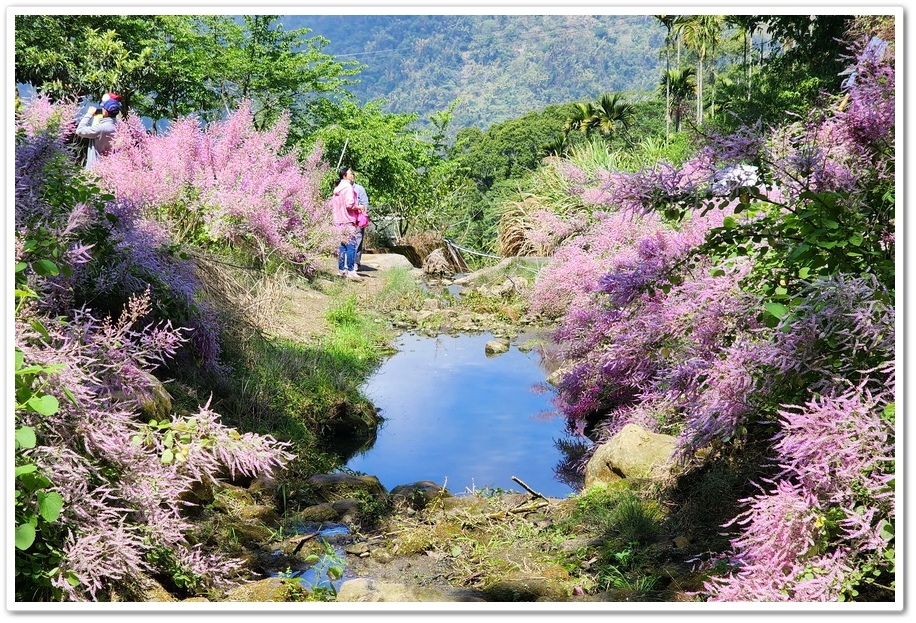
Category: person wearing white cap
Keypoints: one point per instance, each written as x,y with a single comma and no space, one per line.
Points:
101,133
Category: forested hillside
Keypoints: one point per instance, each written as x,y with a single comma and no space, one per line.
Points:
500,66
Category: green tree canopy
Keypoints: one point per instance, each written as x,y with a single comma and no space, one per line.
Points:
510,148
166,66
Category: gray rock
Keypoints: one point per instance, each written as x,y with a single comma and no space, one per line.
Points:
437,264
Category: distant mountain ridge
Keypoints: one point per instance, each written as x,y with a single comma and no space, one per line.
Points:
499,66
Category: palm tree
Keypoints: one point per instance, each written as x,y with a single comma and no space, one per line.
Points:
747,26
582,118
610,112
681,84
668,22
700,33
559,146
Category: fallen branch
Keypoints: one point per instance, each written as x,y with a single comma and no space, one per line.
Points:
529,489
533,506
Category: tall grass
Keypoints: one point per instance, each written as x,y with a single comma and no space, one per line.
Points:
400,291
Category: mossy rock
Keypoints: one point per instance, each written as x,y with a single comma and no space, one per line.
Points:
317,513
419,494
331,487
269,590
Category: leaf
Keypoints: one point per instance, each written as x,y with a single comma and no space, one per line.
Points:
25,437
32,480
25,536
45,405
50,505
890,411
41,329
29,370
22,470
45,268
777,310
886,530
70,396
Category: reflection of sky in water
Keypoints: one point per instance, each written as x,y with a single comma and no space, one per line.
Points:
460,418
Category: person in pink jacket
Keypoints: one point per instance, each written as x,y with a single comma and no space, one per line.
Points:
345,208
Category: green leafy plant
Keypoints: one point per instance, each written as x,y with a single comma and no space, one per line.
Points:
330,564
37,505
183,578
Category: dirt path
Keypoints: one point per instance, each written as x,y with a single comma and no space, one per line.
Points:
301,316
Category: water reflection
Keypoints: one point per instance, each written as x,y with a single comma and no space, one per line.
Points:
462,419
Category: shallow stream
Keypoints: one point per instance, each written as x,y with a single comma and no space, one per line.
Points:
462,419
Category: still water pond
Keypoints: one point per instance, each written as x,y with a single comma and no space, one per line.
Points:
461,419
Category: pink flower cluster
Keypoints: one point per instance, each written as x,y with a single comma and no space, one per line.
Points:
121,499
229,182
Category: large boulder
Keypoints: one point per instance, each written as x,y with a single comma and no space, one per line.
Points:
437,264
632,453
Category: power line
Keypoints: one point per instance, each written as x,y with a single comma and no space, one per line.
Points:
372,52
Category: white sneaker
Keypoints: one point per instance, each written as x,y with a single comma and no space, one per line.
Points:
352,275
341,273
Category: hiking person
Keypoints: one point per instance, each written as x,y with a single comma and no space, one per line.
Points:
100,133
344,210
362,221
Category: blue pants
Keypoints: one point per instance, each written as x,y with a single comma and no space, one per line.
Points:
360,235
346,255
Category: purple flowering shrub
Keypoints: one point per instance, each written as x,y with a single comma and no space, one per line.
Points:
746,296
99,488
835,450
229,183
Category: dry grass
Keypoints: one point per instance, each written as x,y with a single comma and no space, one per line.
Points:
515,225
246,296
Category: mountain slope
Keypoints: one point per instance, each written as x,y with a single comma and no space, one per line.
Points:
499,66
